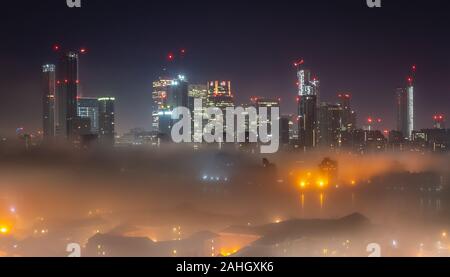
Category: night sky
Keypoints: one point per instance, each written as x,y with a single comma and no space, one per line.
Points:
350,47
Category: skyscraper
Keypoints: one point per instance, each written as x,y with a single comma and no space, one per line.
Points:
330,125
48,100
220,96
67,92
198,91
308,90
348,115
178,93
405,107
88,108
261,102
106,115
159,96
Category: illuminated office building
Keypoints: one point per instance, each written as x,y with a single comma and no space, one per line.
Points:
159,97
88,108
308,91
106,122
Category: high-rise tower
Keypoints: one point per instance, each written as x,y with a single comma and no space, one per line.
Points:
308,90
405,106
67,92
106,115
48,100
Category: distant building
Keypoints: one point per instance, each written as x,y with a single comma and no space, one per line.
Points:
67,92
137,137
307,130
160,98
405,109
439,121
308,97
330,125
48,101
168,94
88,108
348,114
364,141
396,141
178,93
285,130
269,103
106,115
197,91
220,96
435,140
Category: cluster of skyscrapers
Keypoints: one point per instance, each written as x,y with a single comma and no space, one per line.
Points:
67,117
169,93
320,123
317,124
333,125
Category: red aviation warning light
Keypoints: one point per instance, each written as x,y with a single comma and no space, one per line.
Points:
369,120
170,57
56,47
410,80
83,50
438,117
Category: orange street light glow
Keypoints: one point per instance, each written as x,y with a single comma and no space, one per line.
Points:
4,230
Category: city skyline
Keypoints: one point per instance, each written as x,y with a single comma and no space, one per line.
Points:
195,129
248,67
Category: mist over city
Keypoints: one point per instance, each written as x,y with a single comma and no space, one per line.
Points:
92,164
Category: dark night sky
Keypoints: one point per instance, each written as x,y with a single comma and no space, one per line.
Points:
350,48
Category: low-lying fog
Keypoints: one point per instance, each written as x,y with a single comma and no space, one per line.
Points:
51,197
